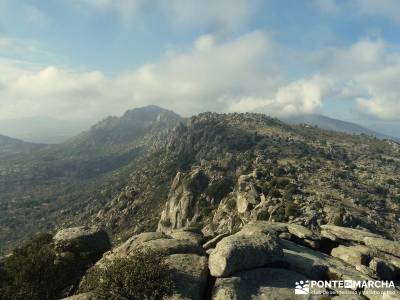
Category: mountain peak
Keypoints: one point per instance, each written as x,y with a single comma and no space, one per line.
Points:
149,113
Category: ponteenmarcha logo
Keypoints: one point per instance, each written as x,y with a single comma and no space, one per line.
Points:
302,288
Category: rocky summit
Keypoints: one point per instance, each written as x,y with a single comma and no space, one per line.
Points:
263,260
237,206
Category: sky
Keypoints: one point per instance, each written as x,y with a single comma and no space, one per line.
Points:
87,59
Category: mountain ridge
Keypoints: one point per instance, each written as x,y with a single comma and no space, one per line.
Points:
120,180
333,124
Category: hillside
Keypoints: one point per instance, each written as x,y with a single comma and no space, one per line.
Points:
11,146
218,172
55,183
213,171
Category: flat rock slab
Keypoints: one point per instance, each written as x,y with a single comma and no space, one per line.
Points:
190,276
85,296
316,265
277,228
259,284
353,255
384,245
240,252
344,233
186,235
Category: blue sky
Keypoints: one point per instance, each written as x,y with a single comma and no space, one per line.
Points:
75,59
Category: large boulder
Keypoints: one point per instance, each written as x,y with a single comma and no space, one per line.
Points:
344,233
384,245
241,252
82,239
190,276
259,284
156,241
353,255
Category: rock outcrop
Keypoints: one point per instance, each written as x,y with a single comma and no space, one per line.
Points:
264,260
181,209
242,252
82,239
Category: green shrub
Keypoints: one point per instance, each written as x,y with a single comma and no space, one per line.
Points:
380,190
142,275
363,199
274,193
34,272
279,182
391,181
231,204
290,210
220,188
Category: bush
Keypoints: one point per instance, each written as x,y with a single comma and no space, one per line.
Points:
219,189
290,210
34,272
279,182
142,275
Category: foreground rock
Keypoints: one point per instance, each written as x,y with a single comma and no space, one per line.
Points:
343,233
264,283
384,245
82,239
242,252
353,255
316,265
85,296
190,276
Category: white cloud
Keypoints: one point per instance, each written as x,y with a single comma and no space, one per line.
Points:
367,71
241,74
302,96
188,81
219,15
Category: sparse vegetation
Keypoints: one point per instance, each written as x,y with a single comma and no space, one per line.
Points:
35,272
143,275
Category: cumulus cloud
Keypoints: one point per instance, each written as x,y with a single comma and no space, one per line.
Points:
238,74
302,96
368,72
188,81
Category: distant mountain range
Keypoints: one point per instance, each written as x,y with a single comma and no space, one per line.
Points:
14,146
42,129
327,123
53,131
